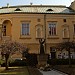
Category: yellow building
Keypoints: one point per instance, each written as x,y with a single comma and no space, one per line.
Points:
27,24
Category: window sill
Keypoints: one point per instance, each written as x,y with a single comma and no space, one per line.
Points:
66,38
53,37
25,37
38,38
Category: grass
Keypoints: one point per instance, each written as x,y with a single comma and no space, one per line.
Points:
14,71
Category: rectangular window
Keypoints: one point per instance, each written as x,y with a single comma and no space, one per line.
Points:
74,28
52,28
25,28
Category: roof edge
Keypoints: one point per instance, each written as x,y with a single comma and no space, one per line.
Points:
33,6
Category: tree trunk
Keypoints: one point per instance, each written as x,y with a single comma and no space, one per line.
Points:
6,61
6,64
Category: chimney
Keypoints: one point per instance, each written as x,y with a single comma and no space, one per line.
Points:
31,3
72,6
8,5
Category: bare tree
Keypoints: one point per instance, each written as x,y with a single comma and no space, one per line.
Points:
9,48
68,46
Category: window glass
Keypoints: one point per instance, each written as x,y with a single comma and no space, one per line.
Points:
52,28
4,30
25,28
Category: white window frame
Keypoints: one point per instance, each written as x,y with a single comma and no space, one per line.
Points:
52,24
26,27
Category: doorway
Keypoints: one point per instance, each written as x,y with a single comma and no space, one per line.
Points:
53,52
53,55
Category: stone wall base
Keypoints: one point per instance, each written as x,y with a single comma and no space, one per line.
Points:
42,59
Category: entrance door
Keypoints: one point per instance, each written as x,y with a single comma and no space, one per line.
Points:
53,55
53,52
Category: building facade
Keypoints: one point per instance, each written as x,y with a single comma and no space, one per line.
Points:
27,24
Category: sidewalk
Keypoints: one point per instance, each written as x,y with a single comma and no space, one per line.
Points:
34,71
52,72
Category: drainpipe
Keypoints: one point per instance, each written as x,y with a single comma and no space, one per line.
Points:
45,30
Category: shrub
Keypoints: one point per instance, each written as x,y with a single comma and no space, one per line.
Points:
32,60
1,61
60,61
18,63
15,63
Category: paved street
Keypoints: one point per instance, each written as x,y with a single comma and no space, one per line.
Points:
52,72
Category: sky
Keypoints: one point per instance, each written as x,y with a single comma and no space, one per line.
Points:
35,2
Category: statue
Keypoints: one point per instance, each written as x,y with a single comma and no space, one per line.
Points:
41,46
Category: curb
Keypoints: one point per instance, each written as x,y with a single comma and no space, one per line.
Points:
60,71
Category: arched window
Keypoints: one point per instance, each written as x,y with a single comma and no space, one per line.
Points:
4,30
39,31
